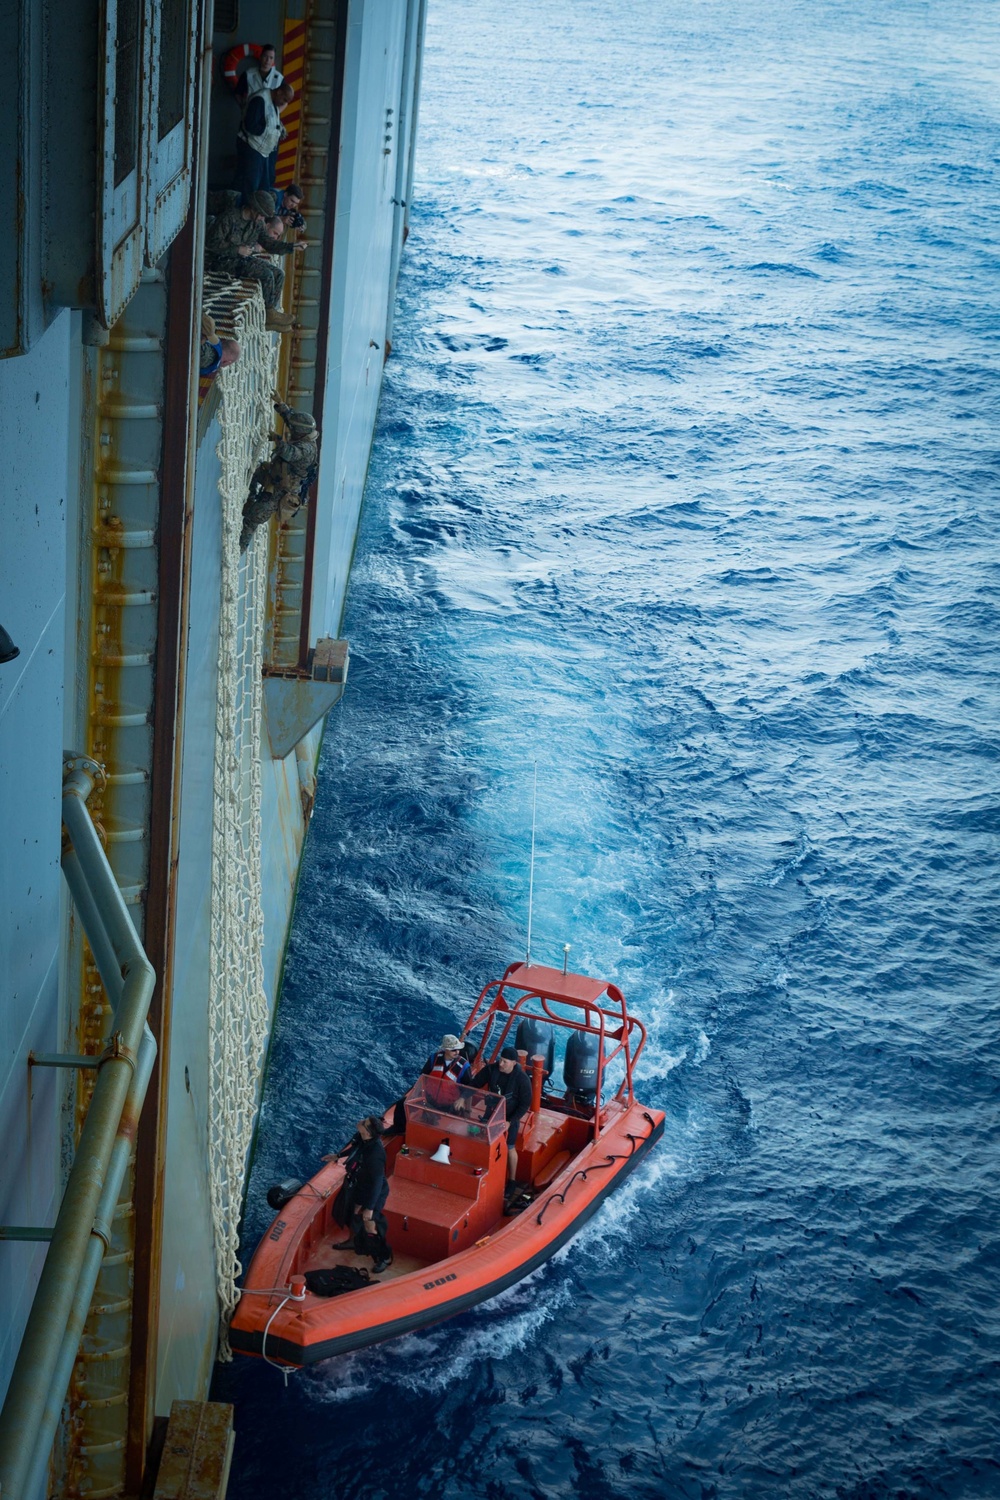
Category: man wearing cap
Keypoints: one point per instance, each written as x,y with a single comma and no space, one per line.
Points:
230,248
507,1078
447,1070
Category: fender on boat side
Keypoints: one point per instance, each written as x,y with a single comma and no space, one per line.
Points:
299,1356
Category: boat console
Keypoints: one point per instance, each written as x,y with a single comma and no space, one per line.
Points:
436,1208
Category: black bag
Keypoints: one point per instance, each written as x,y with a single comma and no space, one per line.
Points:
330,1283
343,1205
376,1245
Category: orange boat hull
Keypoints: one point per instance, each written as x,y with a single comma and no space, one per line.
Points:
303,1329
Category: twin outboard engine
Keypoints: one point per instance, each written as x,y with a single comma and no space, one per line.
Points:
580,1068
283,1192
535,1038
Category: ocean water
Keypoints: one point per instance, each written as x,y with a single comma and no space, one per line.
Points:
685,488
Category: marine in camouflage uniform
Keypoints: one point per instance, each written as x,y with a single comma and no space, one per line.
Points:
282,483
235,227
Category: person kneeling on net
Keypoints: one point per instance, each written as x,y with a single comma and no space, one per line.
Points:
359,1204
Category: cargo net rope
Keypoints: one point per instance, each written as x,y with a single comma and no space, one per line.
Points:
237,1008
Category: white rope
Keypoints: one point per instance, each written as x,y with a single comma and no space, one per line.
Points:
286,1370
237,1007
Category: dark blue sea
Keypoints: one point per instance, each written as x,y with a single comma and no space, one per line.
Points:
685,487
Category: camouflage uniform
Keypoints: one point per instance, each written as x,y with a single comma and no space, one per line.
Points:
277,247
231,230
283,481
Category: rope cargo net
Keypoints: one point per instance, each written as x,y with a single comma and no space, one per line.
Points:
237,1007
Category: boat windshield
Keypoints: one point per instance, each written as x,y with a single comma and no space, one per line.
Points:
455,1110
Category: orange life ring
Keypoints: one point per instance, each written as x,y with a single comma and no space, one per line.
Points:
233,58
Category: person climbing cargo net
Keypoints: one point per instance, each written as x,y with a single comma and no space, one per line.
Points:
282,482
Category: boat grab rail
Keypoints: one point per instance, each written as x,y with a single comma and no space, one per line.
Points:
598,1166
33,1404
595,1166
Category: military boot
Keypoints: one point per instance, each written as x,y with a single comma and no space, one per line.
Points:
278,321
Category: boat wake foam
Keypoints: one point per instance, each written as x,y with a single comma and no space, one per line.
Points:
441,1357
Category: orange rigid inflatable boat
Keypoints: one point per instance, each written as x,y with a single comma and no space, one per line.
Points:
455,1241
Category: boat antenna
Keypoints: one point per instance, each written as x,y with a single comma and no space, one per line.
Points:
565,956
531,875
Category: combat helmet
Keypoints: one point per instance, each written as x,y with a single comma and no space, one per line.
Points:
302,423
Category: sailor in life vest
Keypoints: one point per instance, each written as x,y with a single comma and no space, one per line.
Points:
259,137
260,75
446,1071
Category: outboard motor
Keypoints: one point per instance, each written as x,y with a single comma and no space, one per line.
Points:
580,1068
535,1038
283,1192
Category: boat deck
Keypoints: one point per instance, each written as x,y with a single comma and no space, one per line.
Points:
323,1256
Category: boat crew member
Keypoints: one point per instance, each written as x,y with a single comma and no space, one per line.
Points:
507,1078
446,1071
449,1065
260,77
231,247
367,1188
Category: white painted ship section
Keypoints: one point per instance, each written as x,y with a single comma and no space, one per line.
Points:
362,265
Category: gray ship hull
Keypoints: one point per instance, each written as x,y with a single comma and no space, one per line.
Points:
196,680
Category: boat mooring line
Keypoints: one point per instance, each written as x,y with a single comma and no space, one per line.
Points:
286,1370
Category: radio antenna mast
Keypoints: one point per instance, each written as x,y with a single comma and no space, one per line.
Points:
531,875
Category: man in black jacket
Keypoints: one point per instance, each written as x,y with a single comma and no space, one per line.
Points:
366,1188
507,1078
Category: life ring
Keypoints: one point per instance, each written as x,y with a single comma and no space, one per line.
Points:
233,58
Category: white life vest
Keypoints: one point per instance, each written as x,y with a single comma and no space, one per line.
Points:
266,142
256,84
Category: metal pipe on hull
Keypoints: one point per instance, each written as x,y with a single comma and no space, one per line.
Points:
100,1240
33,1387
417,79
404,155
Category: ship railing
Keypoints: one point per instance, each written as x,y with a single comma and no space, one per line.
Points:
81,1236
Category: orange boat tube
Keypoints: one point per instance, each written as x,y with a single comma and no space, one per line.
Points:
454,1238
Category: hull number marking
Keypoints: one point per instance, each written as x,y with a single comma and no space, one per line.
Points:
452,1276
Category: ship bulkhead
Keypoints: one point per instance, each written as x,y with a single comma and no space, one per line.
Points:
166,664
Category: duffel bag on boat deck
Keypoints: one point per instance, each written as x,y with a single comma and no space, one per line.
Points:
337,1279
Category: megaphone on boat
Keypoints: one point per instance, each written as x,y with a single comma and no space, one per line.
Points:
443,1152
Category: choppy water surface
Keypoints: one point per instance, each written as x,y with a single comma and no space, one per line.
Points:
685,484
